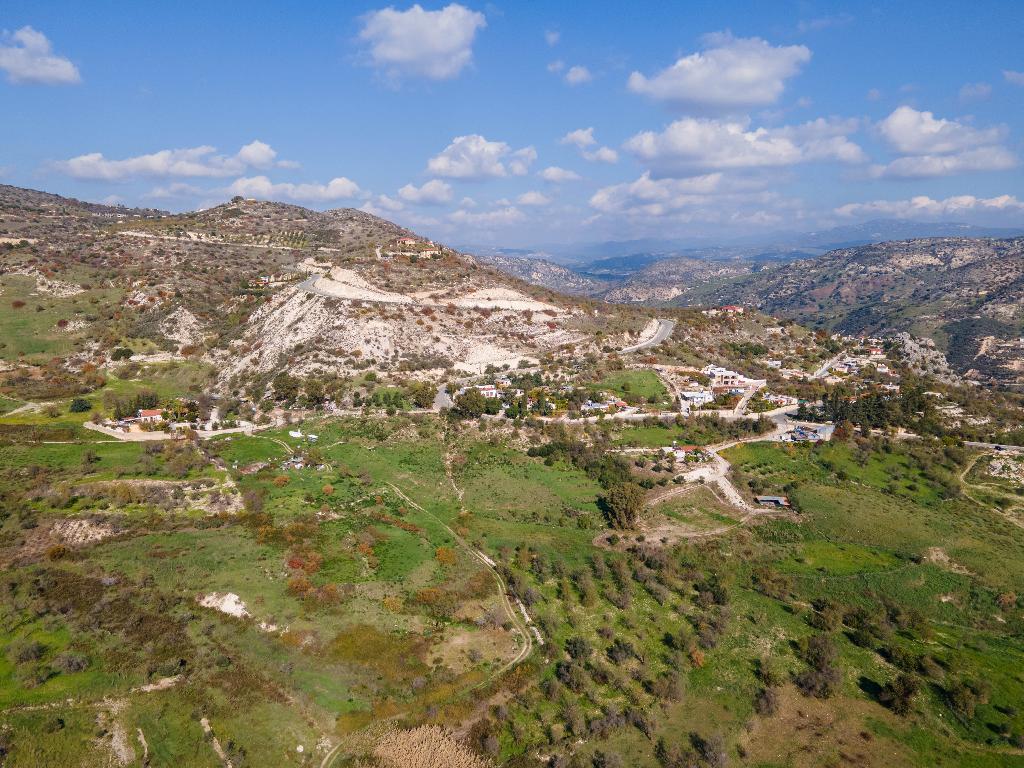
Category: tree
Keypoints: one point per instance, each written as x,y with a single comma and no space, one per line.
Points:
286,387
899,694
121,353
80,405
471,404
623,503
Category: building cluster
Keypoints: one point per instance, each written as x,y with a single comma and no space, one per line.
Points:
728,310
412,246
721,381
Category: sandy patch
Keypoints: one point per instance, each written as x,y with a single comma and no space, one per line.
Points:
58,288
938,556
183,327
82,532
231,604
346,284
501,298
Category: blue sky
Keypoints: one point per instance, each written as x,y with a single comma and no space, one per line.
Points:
522,123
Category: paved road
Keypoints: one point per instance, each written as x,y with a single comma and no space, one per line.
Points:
823,371
996,446
442,399
665,328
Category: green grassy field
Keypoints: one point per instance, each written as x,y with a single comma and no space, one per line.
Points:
632,384
361,605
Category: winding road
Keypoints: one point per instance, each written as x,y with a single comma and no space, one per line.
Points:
664,330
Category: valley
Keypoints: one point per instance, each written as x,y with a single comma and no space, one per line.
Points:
297,488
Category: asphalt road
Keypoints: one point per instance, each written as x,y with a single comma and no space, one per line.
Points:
665,328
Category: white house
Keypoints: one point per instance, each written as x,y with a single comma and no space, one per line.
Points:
697,397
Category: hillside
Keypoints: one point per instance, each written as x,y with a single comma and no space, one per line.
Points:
255,288
546,274
965,294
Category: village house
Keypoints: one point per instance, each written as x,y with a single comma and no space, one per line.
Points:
149,415
697,397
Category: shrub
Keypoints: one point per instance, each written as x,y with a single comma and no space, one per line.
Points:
80,405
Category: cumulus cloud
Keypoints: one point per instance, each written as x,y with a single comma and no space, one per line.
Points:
261,187
583,139
578,75
909,131
939,147
474,157
730,73
433,44
601,155
533,198
257,154
694,144
177,189
552,36
433,192
1015,78
190,162
709,198
925,207
929,166
27,57
500,217
557,175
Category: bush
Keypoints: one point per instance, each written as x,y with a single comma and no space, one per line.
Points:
80,405
899,694
121,353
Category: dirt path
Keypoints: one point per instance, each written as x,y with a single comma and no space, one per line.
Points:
522,623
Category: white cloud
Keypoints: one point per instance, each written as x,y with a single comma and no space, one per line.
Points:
873,94
262,187
940,147
923,206
552,36
175,189
556,66
692,144
928,166
715,198
474,157
500,217
975,92
389,203
432,44
520,161
1015,78
601,155
257,154
533,198
433,192
581,137
557,175
191,162
27,57
730,73
911,132
578,75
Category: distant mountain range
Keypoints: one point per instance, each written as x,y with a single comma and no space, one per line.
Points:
961,286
